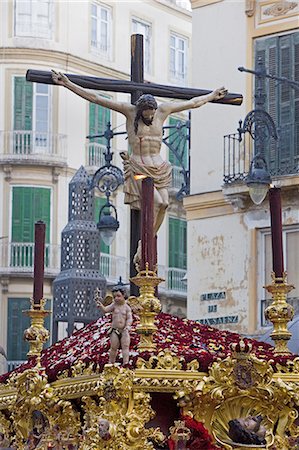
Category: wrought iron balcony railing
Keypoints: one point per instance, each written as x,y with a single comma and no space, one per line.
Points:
294,301
282,156
30,146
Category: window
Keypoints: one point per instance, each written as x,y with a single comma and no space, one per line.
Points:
29,204
280,56
144,28
177,256
33,18
291,263
101,29
98,119
178,58
31,120
17,322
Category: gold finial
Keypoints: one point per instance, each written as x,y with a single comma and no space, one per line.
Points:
280,312
36,334
147,281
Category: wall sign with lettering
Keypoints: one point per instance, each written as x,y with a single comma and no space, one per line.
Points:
213,296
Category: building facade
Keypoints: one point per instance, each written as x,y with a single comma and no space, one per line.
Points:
43,133
229,240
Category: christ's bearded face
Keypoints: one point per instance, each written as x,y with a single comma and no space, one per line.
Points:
147,116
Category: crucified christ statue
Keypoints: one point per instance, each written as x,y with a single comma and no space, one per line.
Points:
144,124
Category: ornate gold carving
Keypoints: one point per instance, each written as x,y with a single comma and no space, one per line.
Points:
225,394
120,412
291,367
6,431
36,334
280,312
164,360
35,395
150,306
280,8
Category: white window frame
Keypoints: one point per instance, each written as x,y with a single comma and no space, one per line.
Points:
175,74
97,45
43,140
34,28
37,141
139,26
262,293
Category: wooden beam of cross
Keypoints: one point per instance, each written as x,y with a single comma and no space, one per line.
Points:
106,84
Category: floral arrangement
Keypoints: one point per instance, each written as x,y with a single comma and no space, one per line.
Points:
183,337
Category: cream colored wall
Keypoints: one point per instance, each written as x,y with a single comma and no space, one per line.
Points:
223,243
216,246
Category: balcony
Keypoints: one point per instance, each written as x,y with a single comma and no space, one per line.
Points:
282,156
30,147
16,258
173,283
113,267
294,301
95,155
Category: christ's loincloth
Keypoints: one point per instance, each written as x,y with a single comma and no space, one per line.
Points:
132,188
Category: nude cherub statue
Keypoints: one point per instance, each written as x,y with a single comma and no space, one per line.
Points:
144,124
121,323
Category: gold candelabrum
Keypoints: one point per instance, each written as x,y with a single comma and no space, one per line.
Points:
149,306
36,334
280,312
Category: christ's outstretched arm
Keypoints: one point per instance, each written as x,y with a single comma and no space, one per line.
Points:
121,107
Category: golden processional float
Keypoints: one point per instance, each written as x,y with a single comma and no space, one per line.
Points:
187,385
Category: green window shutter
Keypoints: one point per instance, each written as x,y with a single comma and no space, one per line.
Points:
42,207
179,142
98,119
17,322
280,55
23,100
183,244
99,202
177,247
29,205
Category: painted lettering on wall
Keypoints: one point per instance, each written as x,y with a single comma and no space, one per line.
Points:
219,320
213,296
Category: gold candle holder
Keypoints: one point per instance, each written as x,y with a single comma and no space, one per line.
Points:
149,306
280,312
36,334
